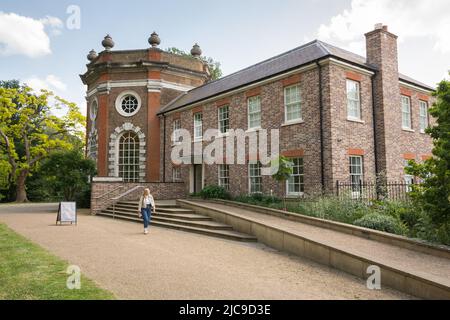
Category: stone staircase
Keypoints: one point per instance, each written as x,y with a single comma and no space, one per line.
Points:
169,215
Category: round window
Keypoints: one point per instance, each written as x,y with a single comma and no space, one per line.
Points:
128,103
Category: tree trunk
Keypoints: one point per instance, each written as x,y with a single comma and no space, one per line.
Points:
21,192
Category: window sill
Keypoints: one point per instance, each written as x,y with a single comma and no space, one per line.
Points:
254,129
356,120
408,130
222,135
290,123
295,195
198,140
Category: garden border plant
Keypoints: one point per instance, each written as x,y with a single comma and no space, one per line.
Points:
396,217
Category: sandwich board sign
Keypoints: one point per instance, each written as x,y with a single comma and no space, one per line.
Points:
67,213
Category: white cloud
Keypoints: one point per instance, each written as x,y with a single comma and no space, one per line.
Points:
50,82
25,35
406,18
54,23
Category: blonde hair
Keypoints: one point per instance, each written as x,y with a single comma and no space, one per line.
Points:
146,192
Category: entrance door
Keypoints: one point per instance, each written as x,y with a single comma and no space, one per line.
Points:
198,178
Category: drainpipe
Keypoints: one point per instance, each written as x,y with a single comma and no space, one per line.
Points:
322,160
375,142
164,148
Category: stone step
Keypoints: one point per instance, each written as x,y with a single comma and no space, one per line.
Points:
183,216
126,206
175,210
208,224
134,203
134,209
224,234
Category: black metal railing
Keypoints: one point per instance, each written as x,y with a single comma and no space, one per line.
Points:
369,190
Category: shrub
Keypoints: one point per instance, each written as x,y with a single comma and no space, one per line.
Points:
214,192
83,199
260,199
381,222
333,208
411,217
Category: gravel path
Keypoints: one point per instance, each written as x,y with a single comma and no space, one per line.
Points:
421,264
171,264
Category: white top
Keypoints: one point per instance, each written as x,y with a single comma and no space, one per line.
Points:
145,201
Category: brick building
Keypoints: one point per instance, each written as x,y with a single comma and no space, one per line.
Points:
340,116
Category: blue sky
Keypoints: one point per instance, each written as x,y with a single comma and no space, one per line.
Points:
36,46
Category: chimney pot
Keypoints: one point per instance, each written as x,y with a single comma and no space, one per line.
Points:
385,28
378,26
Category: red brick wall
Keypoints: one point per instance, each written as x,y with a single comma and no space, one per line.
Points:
346,135
160,191
301,136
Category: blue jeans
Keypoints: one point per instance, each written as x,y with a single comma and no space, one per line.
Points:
146,215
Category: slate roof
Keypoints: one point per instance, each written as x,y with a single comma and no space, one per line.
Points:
279,64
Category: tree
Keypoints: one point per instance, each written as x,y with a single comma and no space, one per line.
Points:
284,172
67,173
213,66
433,194
29,131
5,171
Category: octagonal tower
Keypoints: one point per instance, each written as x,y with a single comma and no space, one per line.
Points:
125,90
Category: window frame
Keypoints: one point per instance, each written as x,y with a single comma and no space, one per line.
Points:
196,126
352,174
250,176
301,178
406,98
93,110
123,167
408,178
175,133
293,103
119,101
249,100
221,120
176,174
352,99
423,118
223,180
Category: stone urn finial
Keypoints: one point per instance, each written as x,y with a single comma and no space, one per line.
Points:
196,51
154,40
92,55
108,43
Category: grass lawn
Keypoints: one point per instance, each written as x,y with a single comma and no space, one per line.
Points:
28,272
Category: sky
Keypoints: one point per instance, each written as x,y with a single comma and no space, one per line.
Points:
44,43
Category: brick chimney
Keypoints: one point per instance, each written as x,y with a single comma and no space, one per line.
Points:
381,48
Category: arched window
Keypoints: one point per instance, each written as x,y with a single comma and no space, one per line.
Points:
93,146
94,110
129,157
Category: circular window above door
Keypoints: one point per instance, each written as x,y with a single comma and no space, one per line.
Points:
128,103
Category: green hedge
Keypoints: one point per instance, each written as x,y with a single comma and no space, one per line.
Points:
382,222
214,192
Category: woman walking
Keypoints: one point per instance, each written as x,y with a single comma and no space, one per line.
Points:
146,207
